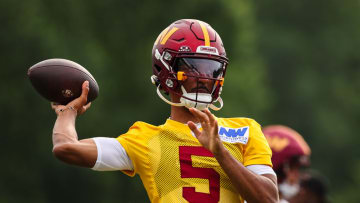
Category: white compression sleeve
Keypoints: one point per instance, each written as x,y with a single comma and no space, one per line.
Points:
111,155
261,169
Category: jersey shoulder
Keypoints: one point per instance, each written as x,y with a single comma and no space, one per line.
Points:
142,128
237,122
140,131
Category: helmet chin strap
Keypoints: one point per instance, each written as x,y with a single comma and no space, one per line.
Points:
201,97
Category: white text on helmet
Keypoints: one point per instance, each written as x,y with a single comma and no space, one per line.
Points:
207,50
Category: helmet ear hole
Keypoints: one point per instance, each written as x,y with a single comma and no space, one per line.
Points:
158,68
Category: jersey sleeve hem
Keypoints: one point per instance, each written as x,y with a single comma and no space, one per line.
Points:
259,161
261,169
127,172
99,153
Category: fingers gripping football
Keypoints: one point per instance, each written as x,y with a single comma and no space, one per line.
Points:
79,105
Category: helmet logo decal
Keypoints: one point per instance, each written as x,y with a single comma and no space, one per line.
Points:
277,143
185,49
206,34
164,37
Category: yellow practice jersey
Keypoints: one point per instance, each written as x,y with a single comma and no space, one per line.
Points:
174,167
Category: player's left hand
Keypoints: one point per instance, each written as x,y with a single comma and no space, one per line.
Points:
209,136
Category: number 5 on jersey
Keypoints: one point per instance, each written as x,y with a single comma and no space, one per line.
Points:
188,171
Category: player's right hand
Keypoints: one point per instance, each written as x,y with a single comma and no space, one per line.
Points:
78,105
208,137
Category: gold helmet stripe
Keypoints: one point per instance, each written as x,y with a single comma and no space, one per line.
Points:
206,34
161,35
163,41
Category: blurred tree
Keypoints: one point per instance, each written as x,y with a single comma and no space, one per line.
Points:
246,91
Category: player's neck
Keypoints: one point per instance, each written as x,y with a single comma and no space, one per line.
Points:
182,115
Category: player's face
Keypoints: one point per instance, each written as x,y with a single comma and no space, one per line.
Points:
290,186
201,74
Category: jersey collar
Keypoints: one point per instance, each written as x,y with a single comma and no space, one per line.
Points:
175,124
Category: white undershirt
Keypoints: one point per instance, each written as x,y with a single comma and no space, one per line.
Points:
112,156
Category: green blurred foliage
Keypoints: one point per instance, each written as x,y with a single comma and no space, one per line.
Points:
291,62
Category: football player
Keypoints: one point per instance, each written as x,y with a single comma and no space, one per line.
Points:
194,156
290,154
313,189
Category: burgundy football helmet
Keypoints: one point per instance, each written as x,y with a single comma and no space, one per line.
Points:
289,149
186,49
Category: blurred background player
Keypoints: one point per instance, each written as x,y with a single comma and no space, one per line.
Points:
194,156
290,154
313,188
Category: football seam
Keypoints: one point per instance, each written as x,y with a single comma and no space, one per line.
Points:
91,77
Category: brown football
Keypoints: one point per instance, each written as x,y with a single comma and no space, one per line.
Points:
60,80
